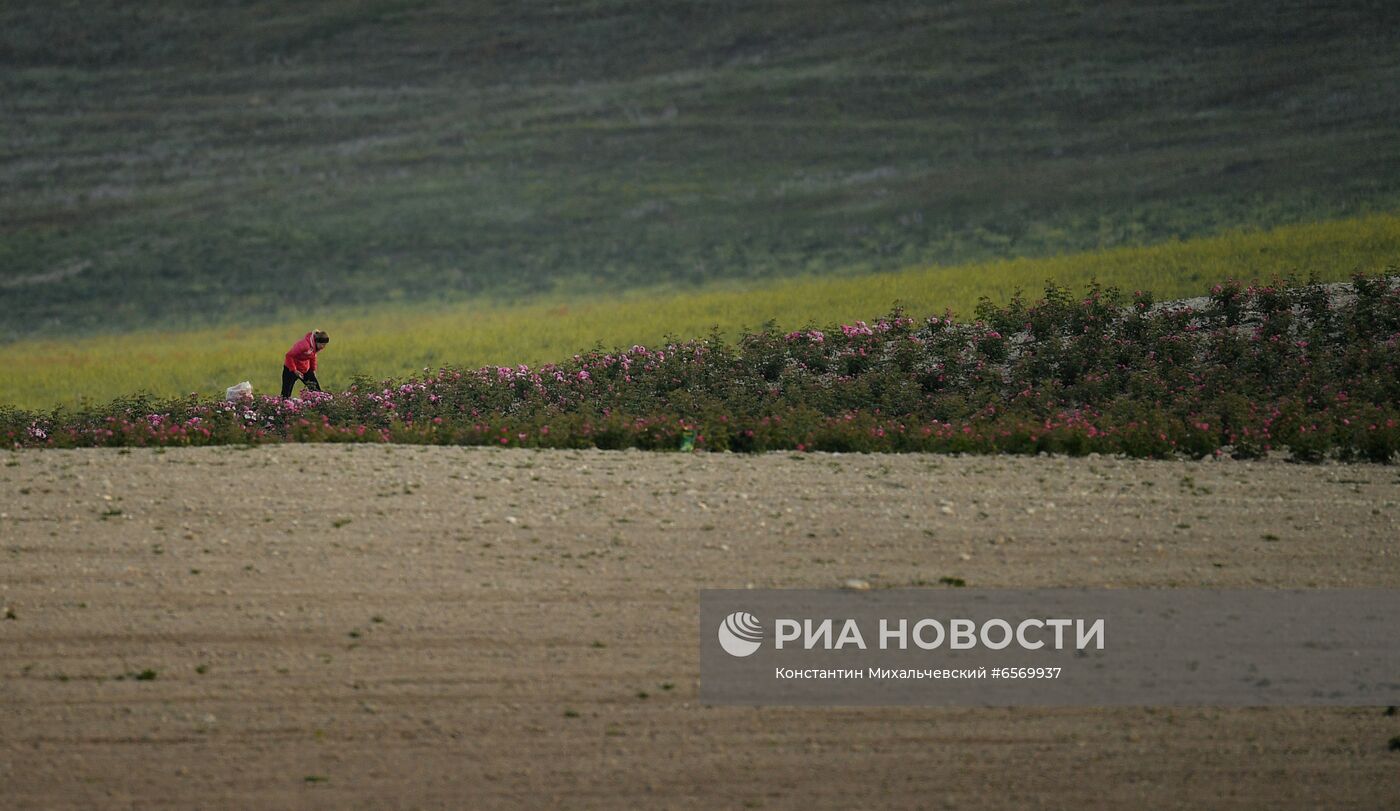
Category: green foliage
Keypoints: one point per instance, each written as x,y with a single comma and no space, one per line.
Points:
1083,374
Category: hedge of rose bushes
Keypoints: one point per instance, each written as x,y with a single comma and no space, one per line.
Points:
1306,369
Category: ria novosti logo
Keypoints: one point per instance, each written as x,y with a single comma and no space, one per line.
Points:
740,634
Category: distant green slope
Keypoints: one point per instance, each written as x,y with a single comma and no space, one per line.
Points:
174,164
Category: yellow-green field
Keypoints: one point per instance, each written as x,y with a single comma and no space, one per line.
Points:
397,341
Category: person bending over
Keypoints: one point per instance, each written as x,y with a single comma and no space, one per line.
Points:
300,363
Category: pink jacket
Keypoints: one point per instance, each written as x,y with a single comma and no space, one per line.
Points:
301,358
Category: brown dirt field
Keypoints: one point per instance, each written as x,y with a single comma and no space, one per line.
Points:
445,627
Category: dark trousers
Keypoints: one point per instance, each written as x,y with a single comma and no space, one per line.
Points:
289,379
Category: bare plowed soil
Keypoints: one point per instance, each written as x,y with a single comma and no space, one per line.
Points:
320,626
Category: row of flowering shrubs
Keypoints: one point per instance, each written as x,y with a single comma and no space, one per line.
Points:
1312,370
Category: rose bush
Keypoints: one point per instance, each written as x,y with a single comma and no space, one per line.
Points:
1309,369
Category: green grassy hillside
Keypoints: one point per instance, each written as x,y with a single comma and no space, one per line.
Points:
180,164
397,340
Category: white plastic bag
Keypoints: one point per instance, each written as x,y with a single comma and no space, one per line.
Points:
243,391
